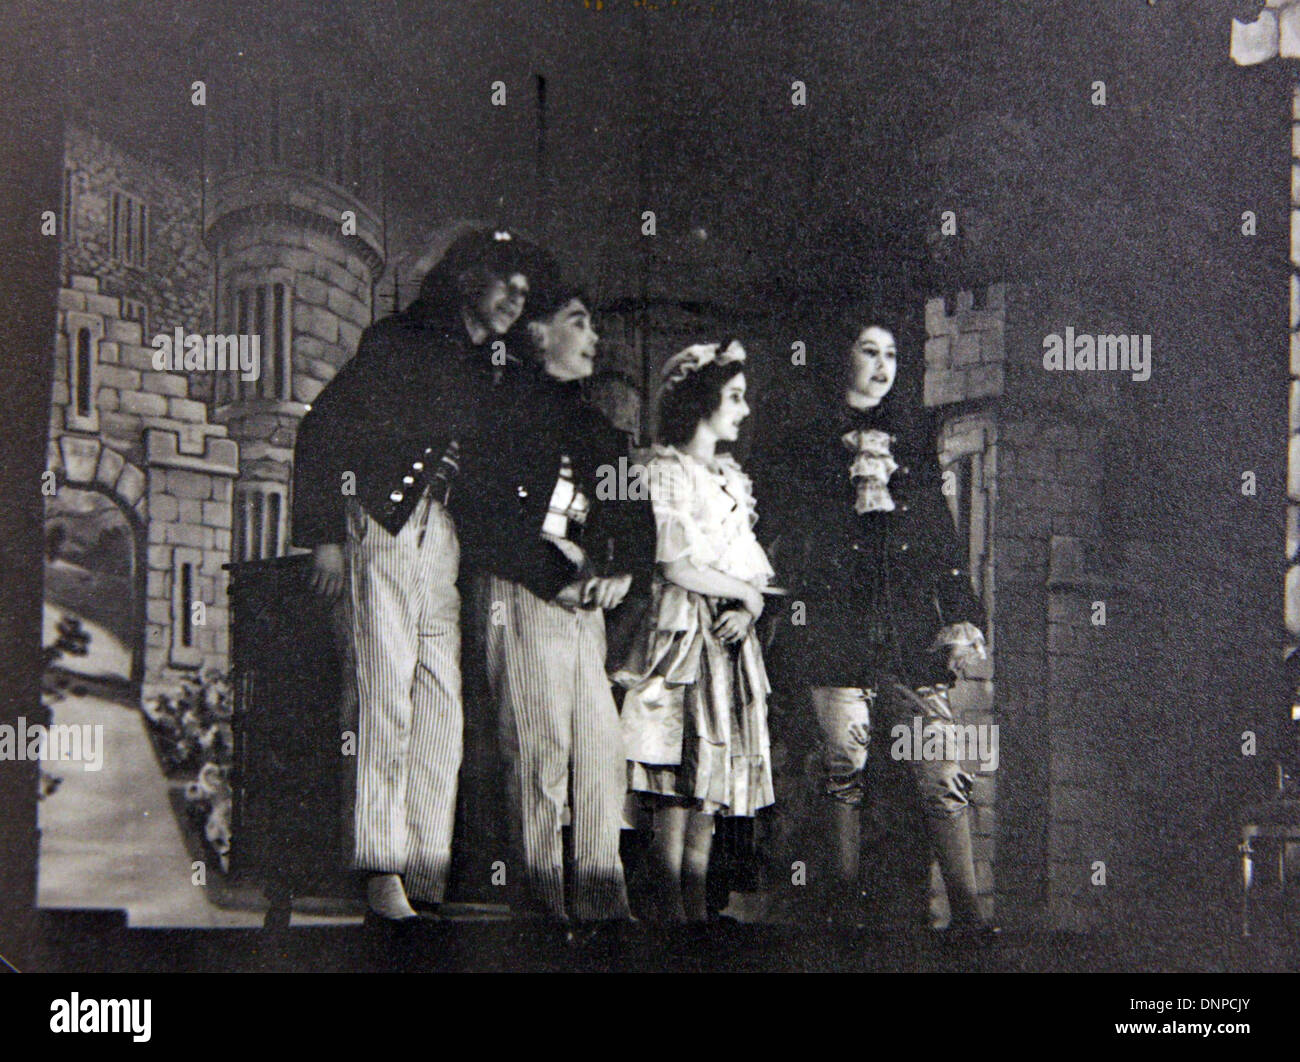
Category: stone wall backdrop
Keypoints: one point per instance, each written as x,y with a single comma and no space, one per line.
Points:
152,450
172,274
134,267
1098,566
294,228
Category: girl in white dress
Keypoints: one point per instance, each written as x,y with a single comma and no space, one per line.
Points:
695,715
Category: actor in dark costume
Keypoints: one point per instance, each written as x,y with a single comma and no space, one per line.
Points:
557,543
374,465
852,492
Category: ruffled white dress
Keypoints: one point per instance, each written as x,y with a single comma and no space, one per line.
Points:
694,718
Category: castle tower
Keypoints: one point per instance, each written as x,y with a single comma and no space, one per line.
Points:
293,220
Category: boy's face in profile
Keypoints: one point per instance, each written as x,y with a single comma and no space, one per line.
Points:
497,302
567,341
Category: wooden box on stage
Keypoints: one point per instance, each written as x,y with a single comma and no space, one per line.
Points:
292,769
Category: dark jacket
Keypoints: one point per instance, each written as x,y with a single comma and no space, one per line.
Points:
534,423
415,384
876,587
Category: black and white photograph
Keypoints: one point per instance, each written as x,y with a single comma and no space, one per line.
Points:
653,486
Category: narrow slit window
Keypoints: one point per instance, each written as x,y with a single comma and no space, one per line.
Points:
965,484
250,529
85,400
128,230
258,527
242,319
187,605
259,519
263,311
278,355
238,539
273,525
222,391
263,387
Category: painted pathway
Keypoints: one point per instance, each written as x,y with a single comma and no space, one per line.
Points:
109,838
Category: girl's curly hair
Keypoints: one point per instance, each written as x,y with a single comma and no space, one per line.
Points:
683,405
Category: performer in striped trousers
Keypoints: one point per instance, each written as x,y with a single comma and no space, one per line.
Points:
555,553
546,663
404,616
374,466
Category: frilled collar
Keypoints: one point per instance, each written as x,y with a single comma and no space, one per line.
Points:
864,446
723,462
725,471
910,428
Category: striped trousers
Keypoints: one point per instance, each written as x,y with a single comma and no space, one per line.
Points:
546,666
404,620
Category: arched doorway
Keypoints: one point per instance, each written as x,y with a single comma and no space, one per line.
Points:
93,572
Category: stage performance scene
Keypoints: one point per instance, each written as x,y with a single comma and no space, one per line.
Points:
612,485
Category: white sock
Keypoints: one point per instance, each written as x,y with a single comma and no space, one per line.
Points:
387,898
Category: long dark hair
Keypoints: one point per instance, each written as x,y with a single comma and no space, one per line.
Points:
683,405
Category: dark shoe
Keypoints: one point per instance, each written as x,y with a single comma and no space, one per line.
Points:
980,934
